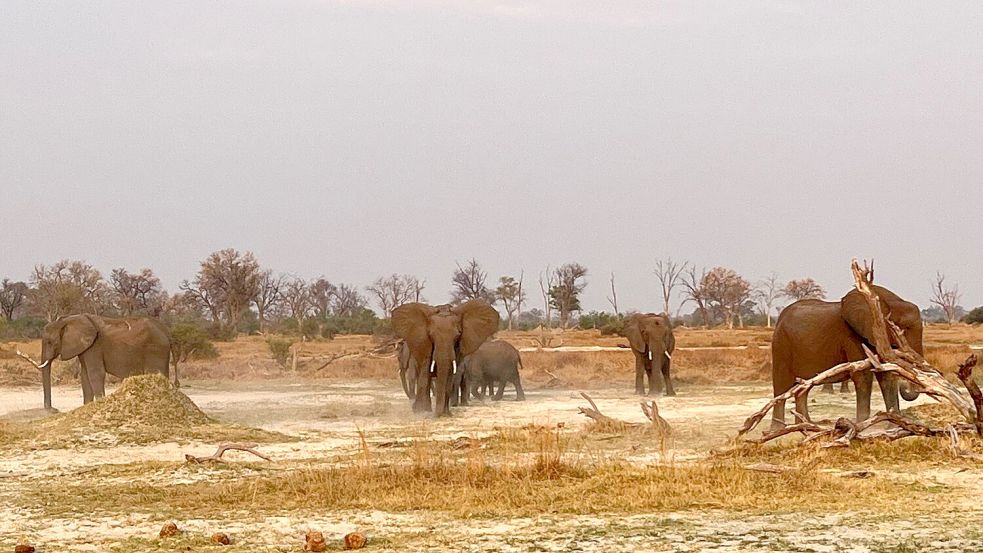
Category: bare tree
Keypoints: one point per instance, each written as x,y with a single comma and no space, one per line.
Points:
12,296
270,296
613,298
766,293
670,275
297,299
547,281
137,292
68,287
416,286
228,282
803,289
565,293
946,297
322,294
696,293
468,283
395,290
726,291
510,292
347,301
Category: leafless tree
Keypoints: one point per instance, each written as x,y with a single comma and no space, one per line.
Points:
12,296
416,287
227,283
395,290
803,289
613,298
547,281
347,301
565,294
696,293
670,275
946,297
137,292
68,287
766,293
322,294
726,291
468,283
511,294
270,296
297,299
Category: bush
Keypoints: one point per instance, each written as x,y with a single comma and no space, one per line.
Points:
24,328
280,348
975,316
190,341
607,323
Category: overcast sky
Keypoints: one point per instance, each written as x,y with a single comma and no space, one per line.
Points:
355,138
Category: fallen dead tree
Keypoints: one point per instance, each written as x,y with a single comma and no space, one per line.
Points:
217,456
902,361
649,409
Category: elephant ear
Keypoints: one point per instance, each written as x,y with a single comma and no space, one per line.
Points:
632,330
478,322
77,335
410,322
853,308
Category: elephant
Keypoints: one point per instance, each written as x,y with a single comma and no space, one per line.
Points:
813,335
439,338
120,347
495,361
652,342
407,370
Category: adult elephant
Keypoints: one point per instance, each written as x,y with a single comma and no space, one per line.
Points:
813,335
652,342
438,339
496,361
120,347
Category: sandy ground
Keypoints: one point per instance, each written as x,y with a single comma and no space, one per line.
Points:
328,417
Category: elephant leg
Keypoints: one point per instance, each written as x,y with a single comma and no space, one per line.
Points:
828,388
665,376
864,382
802,407
519,394
462,389
86,385
639,376
845,387
422,404
888,383
778,415
96,370
500,392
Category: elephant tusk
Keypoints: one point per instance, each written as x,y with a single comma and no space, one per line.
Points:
650,355
45,364
433,365
669,356
455,367
26,357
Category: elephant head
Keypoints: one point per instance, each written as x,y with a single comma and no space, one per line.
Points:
438,339
651,335
65,338
902,313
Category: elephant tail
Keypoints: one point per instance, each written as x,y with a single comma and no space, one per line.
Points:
521,366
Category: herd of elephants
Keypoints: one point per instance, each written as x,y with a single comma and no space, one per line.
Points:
447,355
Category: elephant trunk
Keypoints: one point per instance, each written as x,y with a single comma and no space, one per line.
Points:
444,364
657,354
45,367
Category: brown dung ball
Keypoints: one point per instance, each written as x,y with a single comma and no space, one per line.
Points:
24,549
354,541
221,539
315,542
169,530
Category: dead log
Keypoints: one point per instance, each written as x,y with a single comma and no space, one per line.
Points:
956,449
651,411
217,456
597,416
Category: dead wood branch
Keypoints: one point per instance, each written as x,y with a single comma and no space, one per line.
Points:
597,416
651,411
768,468
956,449
965,374
217,457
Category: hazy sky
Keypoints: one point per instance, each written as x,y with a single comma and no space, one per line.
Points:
359,138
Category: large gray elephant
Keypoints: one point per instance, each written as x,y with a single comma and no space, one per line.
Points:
813,335
438,339
652,342
496,361
120,347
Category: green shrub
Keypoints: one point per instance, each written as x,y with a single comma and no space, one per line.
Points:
190,341
975,316
24,328
280,348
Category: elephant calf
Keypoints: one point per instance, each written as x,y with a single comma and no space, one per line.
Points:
495,361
